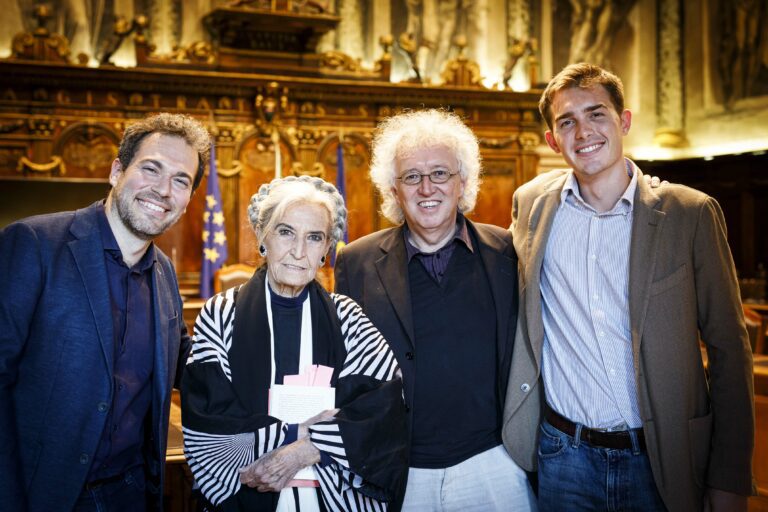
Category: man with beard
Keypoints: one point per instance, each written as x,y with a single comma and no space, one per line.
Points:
91,333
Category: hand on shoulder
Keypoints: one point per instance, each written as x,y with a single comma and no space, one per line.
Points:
654,181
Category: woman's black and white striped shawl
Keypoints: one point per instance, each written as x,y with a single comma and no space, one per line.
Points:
224,403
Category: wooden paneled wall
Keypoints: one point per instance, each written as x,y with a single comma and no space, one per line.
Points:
61,123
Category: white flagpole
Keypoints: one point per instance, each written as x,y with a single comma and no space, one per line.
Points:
278,153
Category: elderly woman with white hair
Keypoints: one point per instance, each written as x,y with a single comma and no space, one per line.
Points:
443,291
247,339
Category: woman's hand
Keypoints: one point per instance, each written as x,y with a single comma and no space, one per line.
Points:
274,470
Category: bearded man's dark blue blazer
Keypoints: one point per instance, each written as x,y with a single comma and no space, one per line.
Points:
56,359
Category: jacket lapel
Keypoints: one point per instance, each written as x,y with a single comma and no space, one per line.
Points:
502,279
647,222
88,252
162,378
161,300
539,225
392,268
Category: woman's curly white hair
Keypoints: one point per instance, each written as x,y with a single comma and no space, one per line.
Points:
272,200
402,134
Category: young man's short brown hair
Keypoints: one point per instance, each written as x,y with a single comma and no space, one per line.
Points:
582,75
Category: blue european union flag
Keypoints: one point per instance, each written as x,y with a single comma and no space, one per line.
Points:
342,190
214,236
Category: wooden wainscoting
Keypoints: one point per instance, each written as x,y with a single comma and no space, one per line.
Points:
760,460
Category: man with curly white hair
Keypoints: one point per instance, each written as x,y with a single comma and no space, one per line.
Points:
443,291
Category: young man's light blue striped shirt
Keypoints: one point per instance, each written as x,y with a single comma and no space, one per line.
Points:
587,356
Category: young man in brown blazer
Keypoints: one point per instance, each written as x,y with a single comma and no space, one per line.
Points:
608,395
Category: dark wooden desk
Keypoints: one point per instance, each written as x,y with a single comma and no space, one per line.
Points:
178,479
759,503
760,307
174,453
761,375
191,309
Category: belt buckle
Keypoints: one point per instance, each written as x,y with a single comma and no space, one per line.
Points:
590,436
607,439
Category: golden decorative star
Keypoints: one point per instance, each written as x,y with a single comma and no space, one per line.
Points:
205,235
211,254
206,216
211,202
220,238
218,218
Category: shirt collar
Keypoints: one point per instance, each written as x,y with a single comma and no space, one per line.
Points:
625,203
112,248
460,235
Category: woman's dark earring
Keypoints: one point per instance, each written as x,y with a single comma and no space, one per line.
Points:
262,250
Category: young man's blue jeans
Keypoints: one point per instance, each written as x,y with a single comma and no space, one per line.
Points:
575,476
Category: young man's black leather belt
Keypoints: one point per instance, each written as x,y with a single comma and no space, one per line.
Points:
617,440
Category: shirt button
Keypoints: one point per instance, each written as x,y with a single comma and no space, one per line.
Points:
409,355
102,407
84,458
525,387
